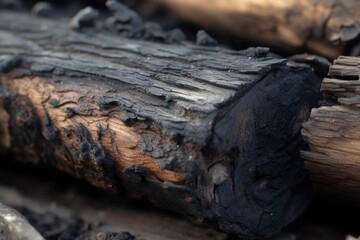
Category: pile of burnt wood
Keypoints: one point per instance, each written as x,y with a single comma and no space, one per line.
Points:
235,126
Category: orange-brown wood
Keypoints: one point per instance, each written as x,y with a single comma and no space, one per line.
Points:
120,141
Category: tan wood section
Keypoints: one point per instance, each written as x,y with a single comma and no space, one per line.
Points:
322,26
333,131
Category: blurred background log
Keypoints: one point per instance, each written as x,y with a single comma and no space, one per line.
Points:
326,27
333,132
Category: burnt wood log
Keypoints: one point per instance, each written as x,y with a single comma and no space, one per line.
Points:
208,132
326,27
333,132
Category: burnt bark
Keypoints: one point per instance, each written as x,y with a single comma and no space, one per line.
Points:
326,27
208,132
333,132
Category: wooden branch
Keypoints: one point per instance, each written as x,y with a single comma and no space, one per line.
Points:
333,132
325,27
207,132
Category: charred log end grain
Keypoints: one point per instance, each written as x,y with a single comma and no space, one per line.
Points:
258,181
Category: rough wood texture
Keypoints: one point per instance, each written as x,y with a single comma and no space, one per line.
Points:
323,26
207,132
333,131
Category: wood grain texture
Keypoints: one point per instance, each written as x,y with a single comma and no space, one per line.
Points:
333,132
211,133
322,26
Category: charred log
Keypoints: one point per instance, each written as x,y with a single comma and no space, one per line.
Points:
204,131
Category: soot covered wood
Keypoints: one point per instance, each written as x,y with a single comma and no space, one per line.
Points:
204,131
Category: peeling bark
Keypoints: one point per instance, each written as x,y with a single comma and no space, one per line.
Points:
207,132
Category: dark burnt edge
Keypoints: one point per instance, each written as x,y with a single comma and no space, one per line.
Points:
311,97
296,174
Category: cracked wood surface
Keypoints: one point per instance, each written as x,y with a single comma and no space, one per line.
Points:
322,26
333,132
211,133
